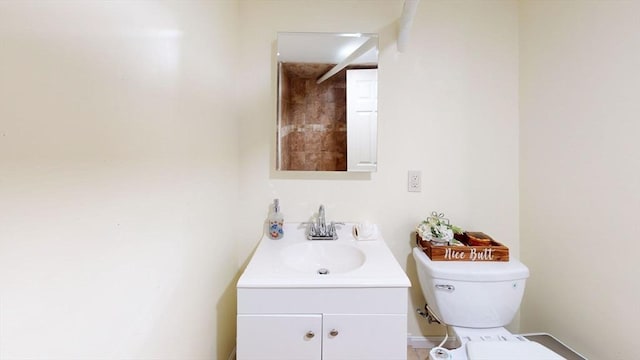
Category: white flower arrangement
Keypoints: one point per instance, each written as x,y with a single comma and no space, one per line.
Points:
437,229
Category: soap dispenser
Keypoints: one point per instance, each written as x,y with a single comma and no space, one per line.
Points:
276,221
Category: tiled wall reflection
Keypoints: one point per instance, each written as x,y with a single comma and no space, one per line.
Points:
313,131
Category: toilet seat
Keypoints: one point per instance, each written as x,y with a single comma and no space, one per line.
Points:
509,350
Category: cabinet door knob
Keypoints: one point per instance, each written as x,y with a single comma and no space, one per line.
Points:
309,335
333,332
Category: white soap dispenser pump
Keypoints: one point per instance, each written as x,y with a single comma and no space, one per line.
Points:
276,221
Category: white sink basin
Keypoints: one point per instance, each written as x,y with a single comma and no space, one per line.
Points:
323,257
295,262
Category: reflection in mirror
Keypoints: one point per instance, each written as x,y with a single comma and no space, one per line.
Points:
327,101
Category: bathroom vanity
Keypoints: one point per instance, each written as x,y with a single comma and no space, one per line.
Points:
341,299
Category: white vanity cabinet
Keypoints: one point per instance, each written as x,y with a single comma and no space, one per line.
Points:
322,300
322,324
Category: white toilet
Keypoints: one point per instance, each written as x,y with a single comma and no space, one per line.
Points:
476,299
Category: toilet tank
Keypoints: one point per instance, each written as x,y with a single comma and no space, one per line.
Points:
472,294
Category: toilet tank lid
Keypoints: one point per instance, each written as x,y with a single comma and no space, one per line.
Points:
474,270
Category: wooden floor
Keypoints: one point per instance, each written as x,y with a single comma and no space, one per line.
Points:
417,354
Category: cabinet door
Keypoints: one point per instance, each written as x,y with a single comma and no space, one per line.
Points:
279,337
364,337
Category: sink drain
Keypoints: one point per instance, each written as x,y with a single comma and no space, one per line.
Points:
323,271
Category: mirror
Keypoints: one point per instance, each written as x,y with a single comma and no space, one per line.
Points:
327,102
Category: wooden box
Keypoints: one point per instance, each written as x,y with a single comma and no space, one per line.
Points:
493,252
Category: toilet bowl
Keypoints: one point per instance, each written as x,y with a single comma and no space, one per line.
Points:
476,300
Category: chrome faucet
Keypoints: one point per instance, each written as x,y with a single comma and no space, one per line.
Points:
321,222
320,230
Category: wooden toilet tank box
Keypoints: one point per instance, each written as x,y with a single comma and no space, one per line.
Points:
478,246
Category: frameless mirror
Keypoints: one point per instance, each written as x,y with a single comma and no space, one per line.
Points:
327,101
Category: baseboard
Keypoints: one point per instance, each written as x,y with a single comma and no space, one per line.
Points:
428,342
232,356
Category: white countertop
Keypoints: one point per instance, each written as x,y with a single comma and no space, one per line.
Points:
268,267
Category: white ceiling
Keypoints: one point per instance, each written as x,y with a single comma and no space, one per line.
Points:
328,48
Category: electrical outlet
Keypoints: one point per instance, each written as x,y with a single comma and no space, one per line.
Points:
414,182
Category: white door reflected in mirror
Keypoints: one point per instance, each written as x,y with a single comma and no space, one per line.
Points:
362,119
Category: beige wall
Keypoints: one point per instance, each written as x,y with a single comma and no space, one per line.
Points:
580,179
118,172
134,183
447,106
134,188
